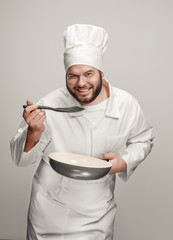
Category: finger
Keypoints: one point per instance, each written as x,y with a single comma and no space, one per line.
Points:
42,119
29,109
39,116
33,115
29,102
111,171
109,156
38,121
27,114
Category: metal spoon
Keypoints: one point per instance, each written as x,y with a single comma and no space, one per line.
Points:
67,109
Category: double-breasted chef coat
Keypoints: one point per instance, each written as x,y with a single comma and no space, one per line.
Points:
65,208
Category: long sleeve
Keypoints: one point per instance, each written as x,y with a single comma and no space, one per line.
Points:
139,143
17,143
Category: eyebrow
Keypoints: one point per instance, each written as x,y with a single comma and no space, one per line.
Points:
89,71
73,74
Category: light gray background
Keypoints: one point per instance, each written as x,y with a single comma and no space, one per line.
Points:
139,60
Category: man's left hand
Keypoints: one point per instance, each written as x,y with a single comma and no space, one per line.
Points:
118,164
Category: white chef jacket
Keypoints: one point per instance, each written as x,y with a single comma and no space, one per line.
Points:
123,130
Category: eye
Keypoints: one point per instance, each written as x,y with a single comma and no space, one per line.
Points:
88,74
72,76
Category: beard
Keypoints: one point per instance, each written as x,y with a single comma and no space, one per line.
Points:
86,100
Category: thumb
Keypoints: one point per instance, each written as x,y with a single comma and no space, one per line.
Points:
108,156
29,102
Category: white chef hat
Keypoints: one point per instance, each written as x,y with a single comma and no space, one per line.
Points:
84,44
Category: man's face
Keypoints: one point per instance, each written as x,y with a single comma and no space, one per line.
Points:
84,83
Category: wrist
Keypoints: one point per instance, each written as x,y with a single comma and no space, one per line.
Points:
123,165
32,139
33,135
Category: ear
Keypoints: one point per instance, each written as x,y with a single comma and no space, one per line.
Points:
102,74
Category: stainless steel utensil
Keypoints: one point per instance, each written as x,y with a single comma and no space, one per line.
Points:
79,167
66,109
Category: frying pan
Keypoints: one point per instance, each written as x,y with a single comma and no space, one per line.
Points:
80,167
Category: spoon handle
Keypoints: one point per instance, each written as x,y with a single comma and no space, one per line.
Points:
39,107
64,109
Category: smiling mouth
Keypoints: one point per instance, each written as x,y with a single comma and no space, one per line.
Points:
83,91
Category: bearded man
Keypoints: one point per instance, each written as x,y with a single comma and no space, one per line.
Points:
112,126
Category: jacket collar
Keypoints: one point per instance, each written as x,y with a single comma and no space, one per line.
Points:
112,107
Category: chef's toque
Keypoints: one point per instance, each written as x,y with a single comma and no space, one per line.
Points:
84,44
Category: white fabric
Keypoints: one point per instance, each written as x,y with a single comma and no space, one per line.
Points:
78,210
95,113
64,208
84,44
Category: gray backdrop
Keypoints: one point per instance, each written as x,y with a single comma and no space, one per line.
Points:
138,60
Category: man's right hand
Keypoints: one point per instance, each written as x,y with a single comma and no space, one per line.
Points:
34,118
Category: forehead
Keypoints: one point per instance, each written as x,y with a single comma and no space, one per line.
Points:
79,69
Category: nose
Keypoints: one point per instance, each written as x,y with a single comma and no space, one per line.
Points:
81,81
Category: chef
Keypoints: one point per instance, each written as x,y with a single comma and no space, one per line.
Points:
111,126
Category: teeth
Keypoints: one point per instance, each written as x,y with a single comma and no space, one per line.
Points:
85,90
